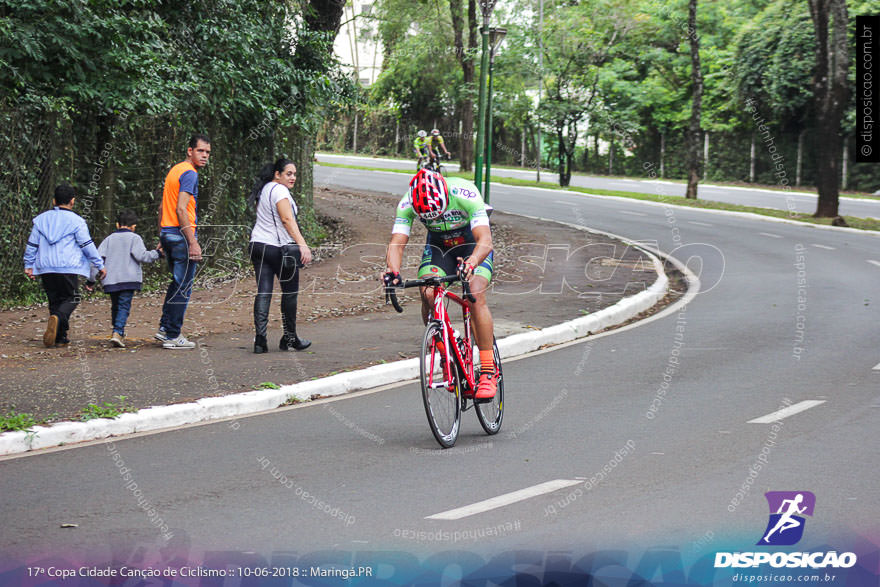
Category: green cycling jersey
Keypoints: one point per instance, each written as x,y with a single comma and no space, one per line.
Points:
466,210
420,143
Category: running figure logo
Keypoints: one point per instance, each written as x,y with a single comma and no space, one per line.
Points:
786,525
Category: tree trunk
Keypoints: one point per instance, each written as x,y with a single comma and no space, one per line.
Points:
611,156
465,59
693,162
705,155
560,159
662,155
752,160
844,181
800,158
102,182
830,95
320,16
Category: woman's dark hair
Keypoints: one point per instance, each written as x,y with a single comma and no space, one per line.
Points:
267,174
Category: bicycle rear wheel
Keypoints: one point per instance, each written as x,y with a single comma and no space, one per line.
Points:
491,412
442,398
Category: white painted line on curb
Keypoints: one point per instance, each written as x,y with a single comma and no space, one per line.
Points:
770,234
699,223
632,213
503,500
873,262
826,247
789,411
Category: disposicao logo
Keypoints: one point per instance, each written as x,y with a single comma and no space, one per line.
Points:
785,528
786,525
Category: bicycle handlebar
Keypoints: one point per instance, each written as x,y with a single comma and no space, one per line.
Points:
391,293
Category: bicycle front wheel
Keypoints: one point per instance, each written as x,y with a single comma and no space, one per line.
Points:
441,391
490,413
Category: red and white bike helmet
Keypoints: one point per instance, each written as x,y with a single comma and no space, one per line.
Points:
429,194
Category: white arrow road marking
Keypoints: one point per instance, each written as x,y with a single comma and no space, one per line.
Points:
789,411
503,500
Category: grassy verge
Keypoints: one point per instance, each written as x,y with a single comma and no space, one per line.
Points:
854,222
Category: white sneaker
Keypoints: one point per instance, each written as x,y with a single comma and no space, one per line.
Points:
160,335
178,343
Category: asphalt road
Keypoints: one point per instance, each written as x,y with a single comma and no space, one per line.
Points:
645,431
793,200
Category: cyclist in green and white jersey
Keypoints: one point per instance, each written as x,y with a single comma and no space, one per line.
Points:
422,147
459,239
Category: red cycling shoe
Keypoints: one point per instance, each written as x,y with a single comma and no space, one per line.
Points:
487,387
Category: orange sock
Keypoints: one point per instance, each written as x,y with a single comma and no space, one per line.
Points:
487,361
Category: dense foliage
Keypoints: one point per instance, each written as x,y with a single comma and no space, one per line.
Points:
617,86
105,93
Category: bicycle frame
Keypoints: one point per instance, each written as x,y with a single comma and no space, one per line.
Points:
464,360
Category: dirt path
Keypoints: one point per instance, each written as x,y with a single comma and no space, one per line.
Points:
545,274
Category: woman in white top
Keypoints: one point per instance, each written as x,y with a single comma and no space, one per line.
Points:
277,248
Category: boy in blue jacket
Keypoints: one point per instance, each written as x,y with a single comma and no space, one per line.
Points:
59,250
123,252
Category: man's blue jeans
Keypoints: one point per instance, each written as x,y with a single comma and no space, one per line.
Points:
183,271
120,308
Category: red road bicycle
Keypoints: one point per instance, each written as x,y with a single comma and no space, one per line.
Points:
449,377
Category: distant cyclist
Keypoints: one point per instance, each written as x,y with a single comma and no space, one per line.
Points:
422,147
459,239
437,144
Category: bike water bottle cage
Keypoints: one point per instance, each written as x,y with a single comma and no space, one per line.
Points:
429,194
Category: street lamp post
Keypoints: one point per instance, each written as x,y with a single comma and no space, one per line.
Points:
496,35
486,8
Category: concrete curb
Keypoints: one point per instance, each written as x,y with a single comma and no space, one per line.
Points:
251,402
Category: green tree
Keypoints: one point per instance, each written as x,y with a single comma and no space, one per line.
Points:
579,40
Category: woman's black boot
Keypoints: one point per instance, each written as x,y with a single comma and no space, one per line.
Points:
288,318
260,344
294,343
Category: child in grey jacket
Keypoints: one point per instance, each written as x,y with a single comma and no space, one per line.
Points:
123,252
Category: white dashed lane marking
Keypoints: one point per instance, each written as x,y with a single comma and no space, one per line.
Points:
789,411
826,247
632,213
506,499
873,262
770,234
700,223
